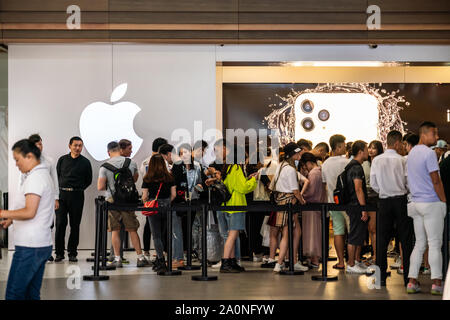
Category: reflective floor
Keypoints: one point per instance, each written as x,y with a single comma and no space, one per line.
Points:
61,281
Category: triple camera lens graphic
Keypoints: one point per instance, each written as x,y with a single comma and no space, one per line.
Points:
307,123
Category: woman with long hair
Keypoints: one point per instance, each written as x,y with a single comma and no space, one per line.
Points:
286,185
158,182
312,220
375,149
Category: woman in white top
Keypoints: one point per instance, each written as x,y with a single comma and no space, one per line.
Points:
286,185
33,217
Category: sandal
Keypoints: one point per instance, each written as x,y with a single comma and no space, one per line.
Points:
336,266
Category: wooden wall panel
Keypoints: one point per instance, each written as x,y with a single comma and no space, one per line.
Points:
223,21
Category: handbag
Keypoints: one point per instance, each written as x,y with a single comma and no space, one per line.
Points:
260,193
152,204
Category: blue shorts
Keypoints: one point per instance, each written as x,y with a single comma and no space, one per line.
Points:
234,221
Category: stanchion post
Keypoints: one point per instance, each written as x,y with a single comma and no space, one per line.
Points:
204,276
189,265
104,237
96,276
324,276
169,271
291,271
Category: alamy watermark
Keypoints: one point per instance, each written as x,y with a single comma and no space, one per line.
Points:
74,20
74,278
374,20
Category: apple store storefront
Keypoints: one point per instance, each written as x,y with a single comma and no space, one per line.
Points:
186,93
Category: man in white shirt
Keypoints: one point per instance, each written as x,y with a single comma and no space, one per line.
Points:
331,169
388,179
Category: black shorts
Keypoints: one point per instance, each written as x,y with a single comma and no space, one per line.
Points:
358,228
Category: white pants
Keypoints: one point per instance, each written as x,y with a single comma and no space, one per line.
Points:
428,227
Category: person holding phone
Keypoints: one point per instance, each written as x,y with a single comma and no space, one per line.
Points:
32,218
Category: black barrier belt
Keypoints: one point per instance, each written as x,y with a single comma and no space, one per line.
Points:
249,208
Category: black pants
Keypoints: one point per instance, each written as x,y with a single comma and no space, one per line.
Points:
70,203
358,228
394,211
184,226
147,236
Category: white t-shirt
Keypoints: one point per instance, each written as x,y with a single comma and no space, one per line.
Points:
36,232
288,179
331,168
50,164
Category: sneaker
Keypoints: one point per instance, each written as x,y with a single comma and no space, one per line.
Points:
361,264
257,259
299,267
265,259
51,259
177,264
73,259
125,261
59,258
355,269
413,287
217,265
397,263
115,263
110,258
278,267
426,271
437,290
270,263
141,263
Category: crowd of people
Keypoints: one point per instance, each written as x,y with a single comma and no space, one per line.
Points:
408,181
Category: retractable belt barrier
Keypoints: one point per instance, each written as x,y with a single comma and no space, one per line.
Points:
102,207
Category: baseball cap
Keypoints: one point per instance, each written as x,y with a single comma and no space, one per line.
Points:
290,149
440,144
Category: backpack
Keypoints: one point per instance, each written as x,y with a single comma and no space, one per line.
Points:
341,194
219,192
125,189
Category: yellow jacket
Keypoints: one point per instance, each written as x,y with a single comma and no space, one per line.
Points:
239,186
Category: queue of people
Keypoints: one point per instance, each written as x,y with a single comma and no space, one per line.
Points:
408,182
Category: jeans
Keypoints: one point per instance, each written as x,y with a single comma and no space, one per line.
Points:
223,229
156,222
393,211
26,273
177,237
428,227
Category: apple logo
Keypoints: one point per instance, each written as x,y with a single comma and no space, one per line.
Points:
101,123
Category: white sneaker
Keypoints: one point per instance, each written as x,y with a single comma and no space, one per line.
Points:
361,264
257,259
217,265
397,263
355,269
278,268
299,267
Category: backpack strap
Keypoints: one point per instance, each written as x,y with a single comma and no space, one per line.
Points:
127,162
110,167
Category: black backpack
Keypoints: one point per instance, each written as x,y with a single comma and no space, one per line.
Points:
341,194
125,189
219,191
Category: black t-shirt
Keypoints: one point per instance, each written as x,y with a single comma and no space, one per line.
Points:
445,176
355,171
153,189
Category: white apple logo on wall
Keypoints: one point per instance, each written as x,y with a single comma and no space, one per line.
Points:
101,123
